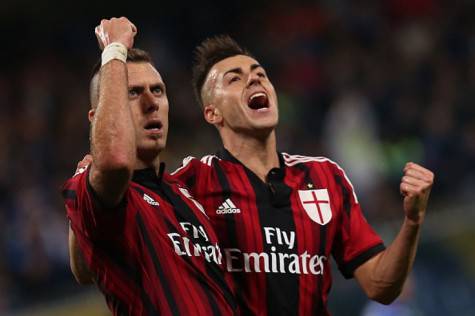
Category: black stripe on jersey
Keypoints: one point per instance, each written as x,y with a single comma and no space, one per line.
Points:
158,269
211,300
231,230
211,268
346,195
348,269
223,180
69,194
190,181
318,307
283,287
139,190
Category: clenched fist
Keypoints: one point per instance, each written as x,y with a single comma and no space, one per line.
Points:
119,30
415,187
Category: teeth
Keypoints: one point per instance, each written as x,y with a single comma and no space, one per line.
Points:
259,94
153,126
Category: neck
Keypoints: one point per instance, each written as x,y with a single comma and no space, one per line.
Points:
153,162
257,154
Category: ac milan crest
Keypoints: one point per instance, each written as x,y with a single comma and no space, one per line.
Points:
317,205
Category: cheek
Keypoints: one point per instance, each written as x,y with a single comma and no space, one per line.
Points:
164,108
136,112
227,92
272,91
231,97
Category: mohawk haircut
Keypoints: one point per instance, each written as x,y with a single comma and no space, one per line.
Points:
207,54
134,55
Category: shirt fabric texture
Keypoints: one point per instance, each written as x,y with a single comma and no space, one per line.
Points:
278,236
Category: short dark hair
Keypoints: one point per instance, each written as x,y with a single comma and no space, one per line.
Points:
207,54
134,55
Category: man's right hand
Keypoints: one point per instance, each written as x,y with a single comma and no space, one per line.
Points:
119,30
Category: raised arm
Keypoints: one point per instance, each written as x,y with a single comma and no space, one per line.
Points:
383,276
113,134
113,145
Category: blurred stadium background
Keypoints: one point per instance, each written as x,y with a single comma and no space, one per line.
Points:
371,84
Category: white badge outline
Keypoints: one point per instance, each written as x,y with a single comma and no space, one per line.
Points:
307,200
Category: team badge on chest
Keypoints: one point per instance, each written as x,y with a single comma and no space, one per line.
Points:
317,205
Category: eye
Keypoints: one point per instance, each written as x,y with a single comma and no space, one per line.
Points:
133,92
235,78
157,90
261,75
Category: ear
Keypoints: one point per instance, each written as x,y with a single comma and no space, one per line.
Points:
90,115
212,114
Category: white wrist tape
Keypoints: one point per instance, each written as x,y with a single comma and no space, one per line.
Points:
114,50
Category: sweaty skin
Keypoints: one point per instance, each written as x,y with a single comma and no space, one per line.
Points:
210,83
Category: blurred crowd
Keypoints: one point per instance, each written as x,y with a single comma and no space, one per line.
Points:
370,84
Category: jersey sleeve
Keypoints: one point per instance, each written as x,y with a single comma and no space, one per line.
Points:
86,214
188,173
356,241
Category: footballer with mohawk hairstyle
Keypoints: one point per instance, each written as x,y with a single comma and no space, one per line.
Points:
281,217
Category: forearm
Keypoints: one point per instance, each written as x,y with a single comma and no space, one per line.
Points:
383,276
393,265
113,134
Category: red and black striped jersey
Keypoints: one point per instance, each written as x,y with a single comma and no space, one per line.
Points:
156,253
278,236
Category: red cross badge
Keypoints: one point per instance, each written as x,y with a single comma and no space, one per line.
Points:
317,205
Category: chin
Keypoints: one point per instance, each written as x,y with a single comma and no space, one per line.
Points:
262,131
265,125
149,151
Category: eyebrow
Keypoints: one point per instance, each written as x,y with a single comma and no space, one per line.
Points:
141,87
160,85
255,66
238,70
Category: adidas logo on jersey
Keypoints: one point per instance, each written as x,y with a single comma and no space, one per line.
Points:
150,200
228,207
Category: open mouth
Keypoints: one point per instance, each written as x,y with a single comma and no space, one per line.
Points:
258,101
154,126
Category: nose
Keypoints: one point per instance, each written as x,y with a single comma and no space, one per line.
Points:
149,102
253,79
